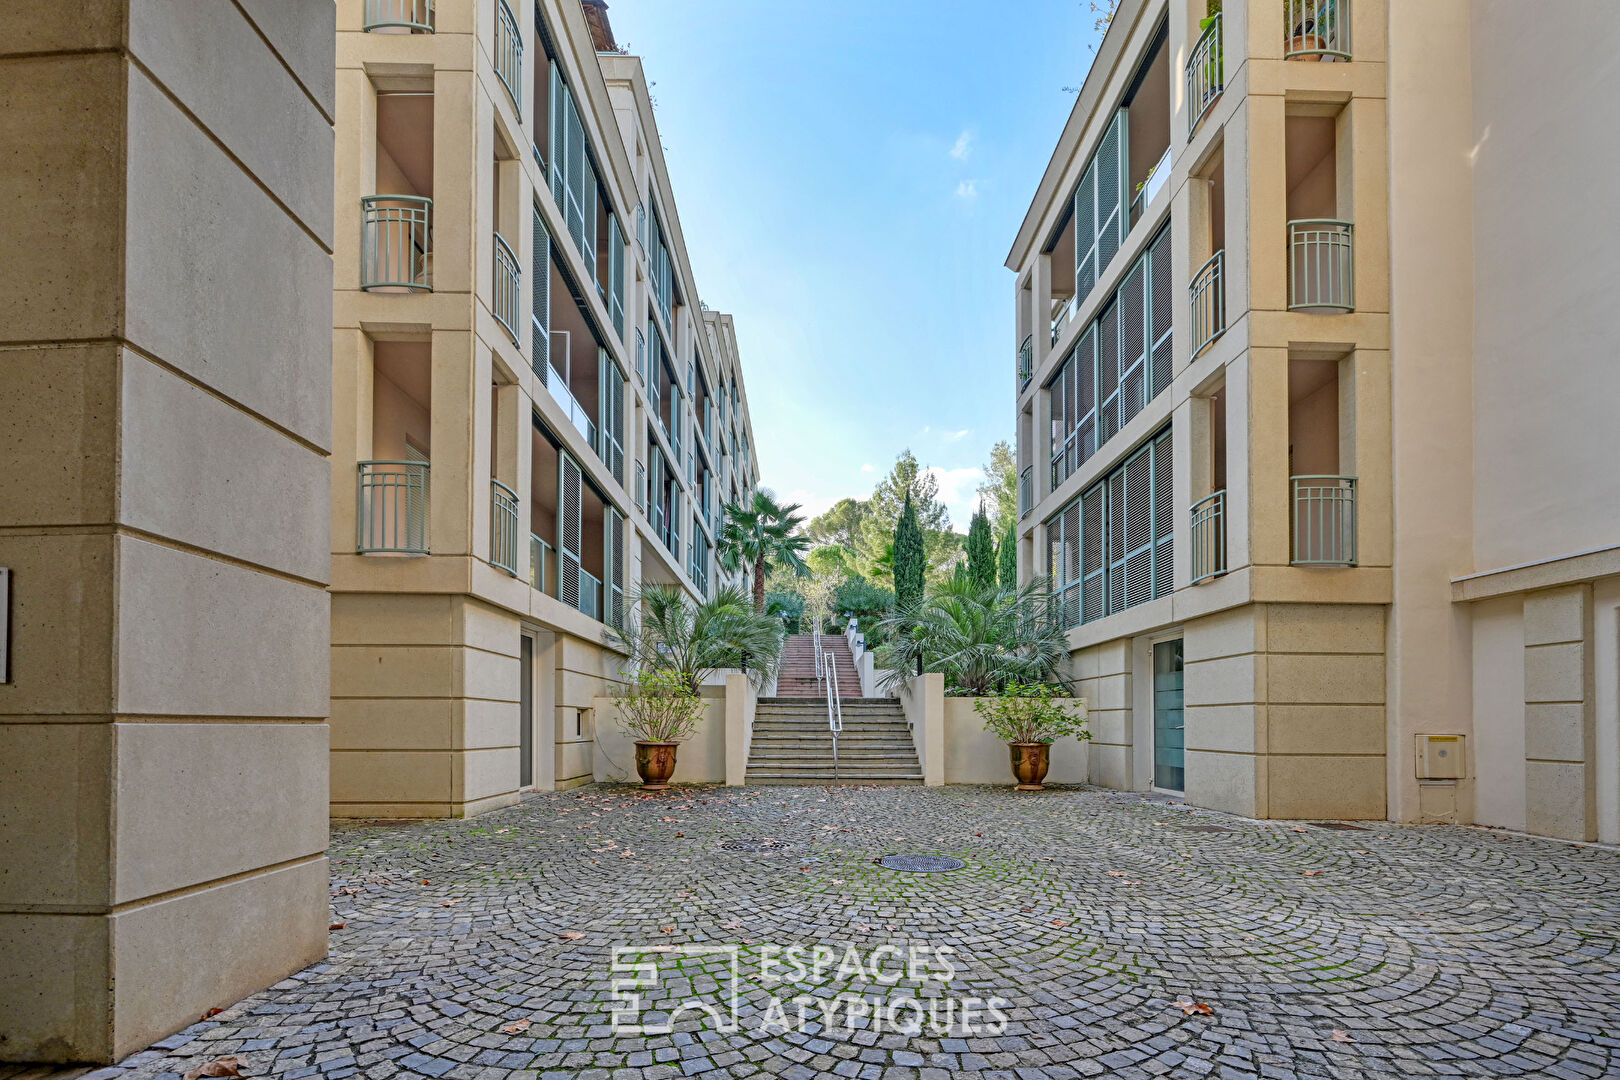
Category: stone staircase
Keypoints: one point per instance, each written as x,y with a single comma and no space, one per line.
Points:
792,744
796,676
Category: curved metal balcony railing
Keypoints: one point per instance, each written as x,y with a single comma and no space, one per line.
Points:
503,527
1206,74
1026,361
1316,29
396,242
1208,537
509,53
391,508
1208,293
508,279
1026,491
1321,265
1324,512
399,16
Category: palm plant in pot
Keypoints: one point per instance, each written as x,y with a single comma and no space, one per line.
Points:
1030,717
657,710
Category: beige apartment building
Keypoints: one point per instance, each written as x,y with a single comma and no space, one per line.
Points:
1314,407
533,415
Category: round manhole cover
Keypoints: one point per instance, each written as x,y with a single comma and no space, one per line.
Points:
755,847
921,864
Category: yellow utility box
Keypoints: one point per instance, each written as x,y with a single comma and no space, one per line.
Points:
1441,757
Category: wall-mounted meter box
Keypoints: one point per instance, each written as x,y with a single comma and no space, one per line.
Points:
1441,757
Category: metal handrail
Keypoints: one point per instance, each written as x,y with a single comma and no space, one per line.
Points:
391,507
1313,29
1026,361
835,705
1208,294
1321,264
1324,525
1026,491
1206,76
503,527
509,53
1209,537
540,564
815,640
396,242
413,15
508,276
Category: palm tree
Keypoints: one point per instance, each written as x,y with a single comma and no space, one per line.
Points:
982,639
764,536
665,630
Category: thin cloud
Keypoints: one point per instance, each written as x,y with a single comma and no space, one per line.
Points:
959,491
958,436
868,468
963,146
967,189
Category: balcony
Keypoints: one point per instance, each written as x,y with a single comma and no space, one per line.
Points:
1316,30
590,595
1205,74
508,277
399,17
1026,491
509,53
542,566
1324,520
1026,362
391,508
1321,265
503,527
396,243
1209,537
1208,291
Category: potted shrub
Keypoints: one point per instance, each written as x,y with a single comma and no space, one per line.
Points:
658,709
1030,716
1314,30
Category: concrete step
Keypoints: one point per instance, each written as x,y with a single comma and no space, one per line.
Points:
828,780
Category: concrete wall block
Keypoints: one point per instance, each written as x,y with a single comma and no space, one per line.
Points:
57,448
1554,672
213,60
489,676
1234,783
391,776
55,815
301,32
1234,632
1556,616
1228,728
392,723
222,480
1558,800
399,619
1233,680
61,624
1326,729
171,779
485,774
53,987
385,671
220,282
1332,786
254,931
186,647
1318,679
1325,628
1555,732
60,255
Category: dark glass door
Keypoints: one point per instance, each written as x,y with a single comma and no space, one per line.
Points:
1169,718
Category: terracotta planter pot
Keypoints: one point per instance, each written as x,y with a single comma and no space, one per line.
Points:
655,761
1307,41
1030,760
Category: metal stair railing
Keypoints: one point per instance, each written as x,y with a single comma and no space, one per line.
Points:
835,706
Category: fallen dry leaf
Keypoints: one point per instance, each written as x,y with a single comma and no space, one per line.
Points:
571,935
229,1065
1116,873
732,925
337,926
448,903
1059,922
666,929
1340,1035
212,1012
1026,909
517,1027
1298,828
1310,873
1189,1008
425,881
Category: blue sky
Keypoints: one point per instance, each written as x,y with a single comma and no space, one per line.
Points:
850,176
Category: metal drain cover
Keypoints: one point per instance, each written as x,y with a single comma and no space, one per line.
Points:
755,847
1205,828
1336,826
921,864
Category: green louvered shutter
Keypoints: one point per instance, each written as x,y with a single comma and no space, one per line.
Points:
559,135
616,274
1111,164
1085,235
540,300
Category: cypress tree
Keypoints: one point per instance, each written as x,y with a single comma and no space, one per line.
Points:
909,558
1007,556
981,552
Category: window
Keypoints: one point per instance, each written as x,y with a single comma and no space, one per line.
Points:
1110,549
573,178
1120,363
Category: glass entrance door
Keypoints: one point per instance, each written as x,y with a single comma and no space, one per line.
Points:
526,712
1169,719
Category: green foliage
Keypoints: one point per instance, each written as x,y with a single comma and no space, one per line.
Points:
840,525
981,639
1007,556
981,552
831,559
1000,487
658,706
909,558
1032,713
869,603
787,605
888,502
764,536
666,631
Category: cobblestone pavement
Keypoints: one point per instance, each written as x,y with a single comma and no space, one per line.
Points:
481,949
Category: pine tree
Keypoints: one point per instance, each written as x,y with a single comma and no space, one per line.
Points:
1007,556
981,552
909,558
